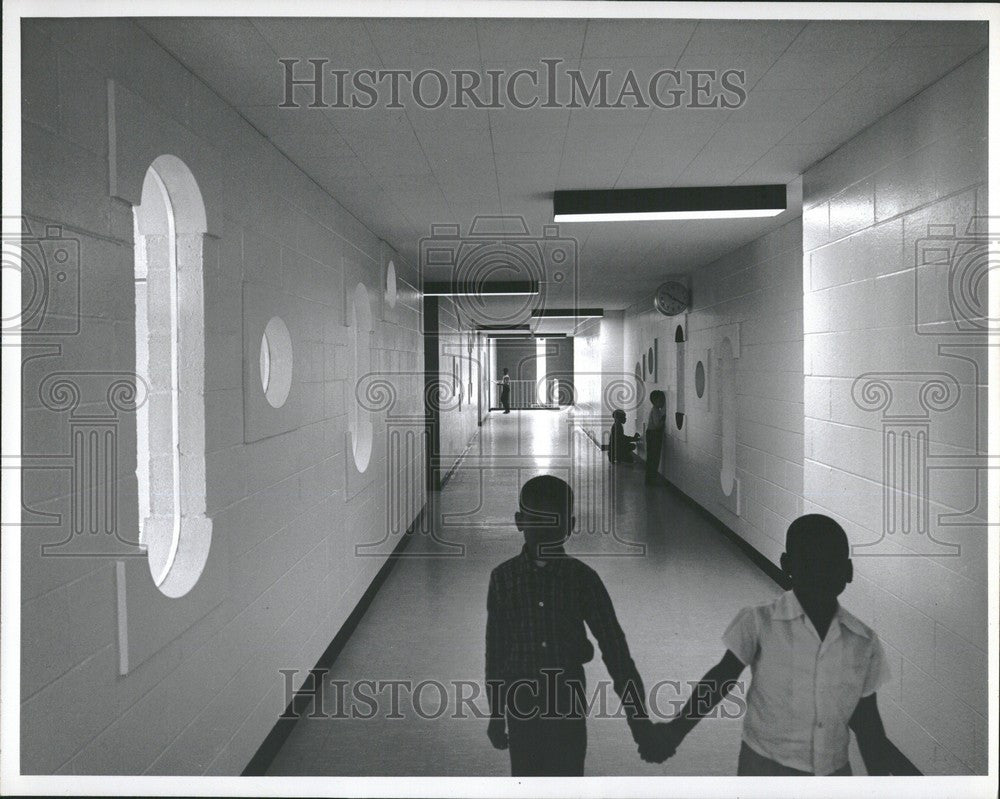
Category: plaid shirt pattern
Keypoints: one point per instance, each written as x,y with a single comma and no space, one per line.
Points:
536,617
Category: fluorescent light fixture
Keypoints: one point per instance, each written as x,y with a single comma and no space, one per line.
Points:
568,313
508,288
683,202
516,335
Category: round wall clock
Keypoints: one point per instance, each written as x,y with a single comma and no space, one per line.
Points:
672,298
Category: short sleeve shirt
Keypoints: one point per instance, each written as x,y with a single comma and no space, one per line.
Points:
803,691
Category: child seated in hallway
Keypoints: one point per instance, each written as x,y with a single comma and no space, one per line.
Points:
621,446
815,670
536,644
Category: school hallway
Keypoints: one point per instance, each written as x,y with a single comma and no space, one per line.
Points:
276,294
674,595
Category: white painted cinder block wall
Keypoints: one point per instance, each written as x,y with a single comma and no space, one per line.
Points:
757,290
820,303
876,307
286,509
462,364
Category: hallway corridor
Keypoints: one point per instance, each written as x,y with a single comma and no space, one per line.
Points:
427,621
273,267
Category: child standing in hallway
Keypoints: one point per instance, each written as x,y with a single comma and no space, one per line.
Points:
655,427
536,644
816,670
504,383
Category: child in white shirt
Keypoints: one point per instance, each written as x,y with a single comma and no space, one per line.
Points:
816,670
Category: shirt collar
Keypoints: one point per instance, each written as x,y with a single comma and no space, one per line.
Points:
556,554
788,607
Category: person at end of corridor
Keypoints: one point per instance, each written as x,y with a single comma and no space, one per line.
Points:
621,446
815,670
504,383
655,427
536,644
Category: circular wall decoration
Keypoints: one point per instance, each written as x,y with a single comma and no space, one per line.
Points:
276,362
726,381
699,379
390,284
265,362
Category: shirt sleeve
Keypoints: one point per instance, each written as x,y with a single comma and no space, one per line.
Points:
599,614
742,637
495,648
879,672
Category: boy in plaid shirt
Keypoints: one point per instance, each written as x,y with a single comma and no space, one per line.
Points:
536,644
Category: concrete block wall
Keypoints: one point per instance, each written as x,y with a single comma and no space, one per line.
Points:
587,353
462,363
287,510
884,216
846,317
755,293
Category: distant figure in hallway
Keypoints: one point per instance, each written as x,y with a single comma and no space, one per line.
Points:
655,427
504,384
536,645
815,669
621,446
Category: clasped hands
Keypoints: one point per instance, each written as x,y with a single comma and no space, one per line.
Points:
657,742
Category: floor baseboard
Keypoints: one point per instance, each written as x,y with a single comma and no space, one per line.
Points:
261,761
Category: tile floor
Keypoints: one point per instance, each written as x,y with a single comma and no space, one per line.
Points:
675,580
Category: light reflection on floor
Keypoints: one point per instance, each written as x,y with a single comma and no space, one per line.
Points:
676,583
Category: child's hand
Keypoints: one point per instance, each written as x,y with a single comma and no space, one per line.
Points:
654,746
497,732
672,735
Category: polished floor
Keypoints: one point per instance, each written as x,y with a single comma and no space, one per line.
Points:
675,580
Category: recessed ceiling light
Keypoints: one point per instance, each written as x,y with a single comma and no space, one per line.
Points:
568,313
687,202
509,288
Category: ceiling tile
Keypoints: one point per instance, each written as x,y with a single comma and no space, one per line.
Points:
528,41
945,34
743,36
848,35
400,170
644,36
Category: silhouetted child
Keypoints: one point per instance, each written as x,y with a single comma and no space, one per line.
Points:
655,427
538,606
815,667
504,383
620,446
